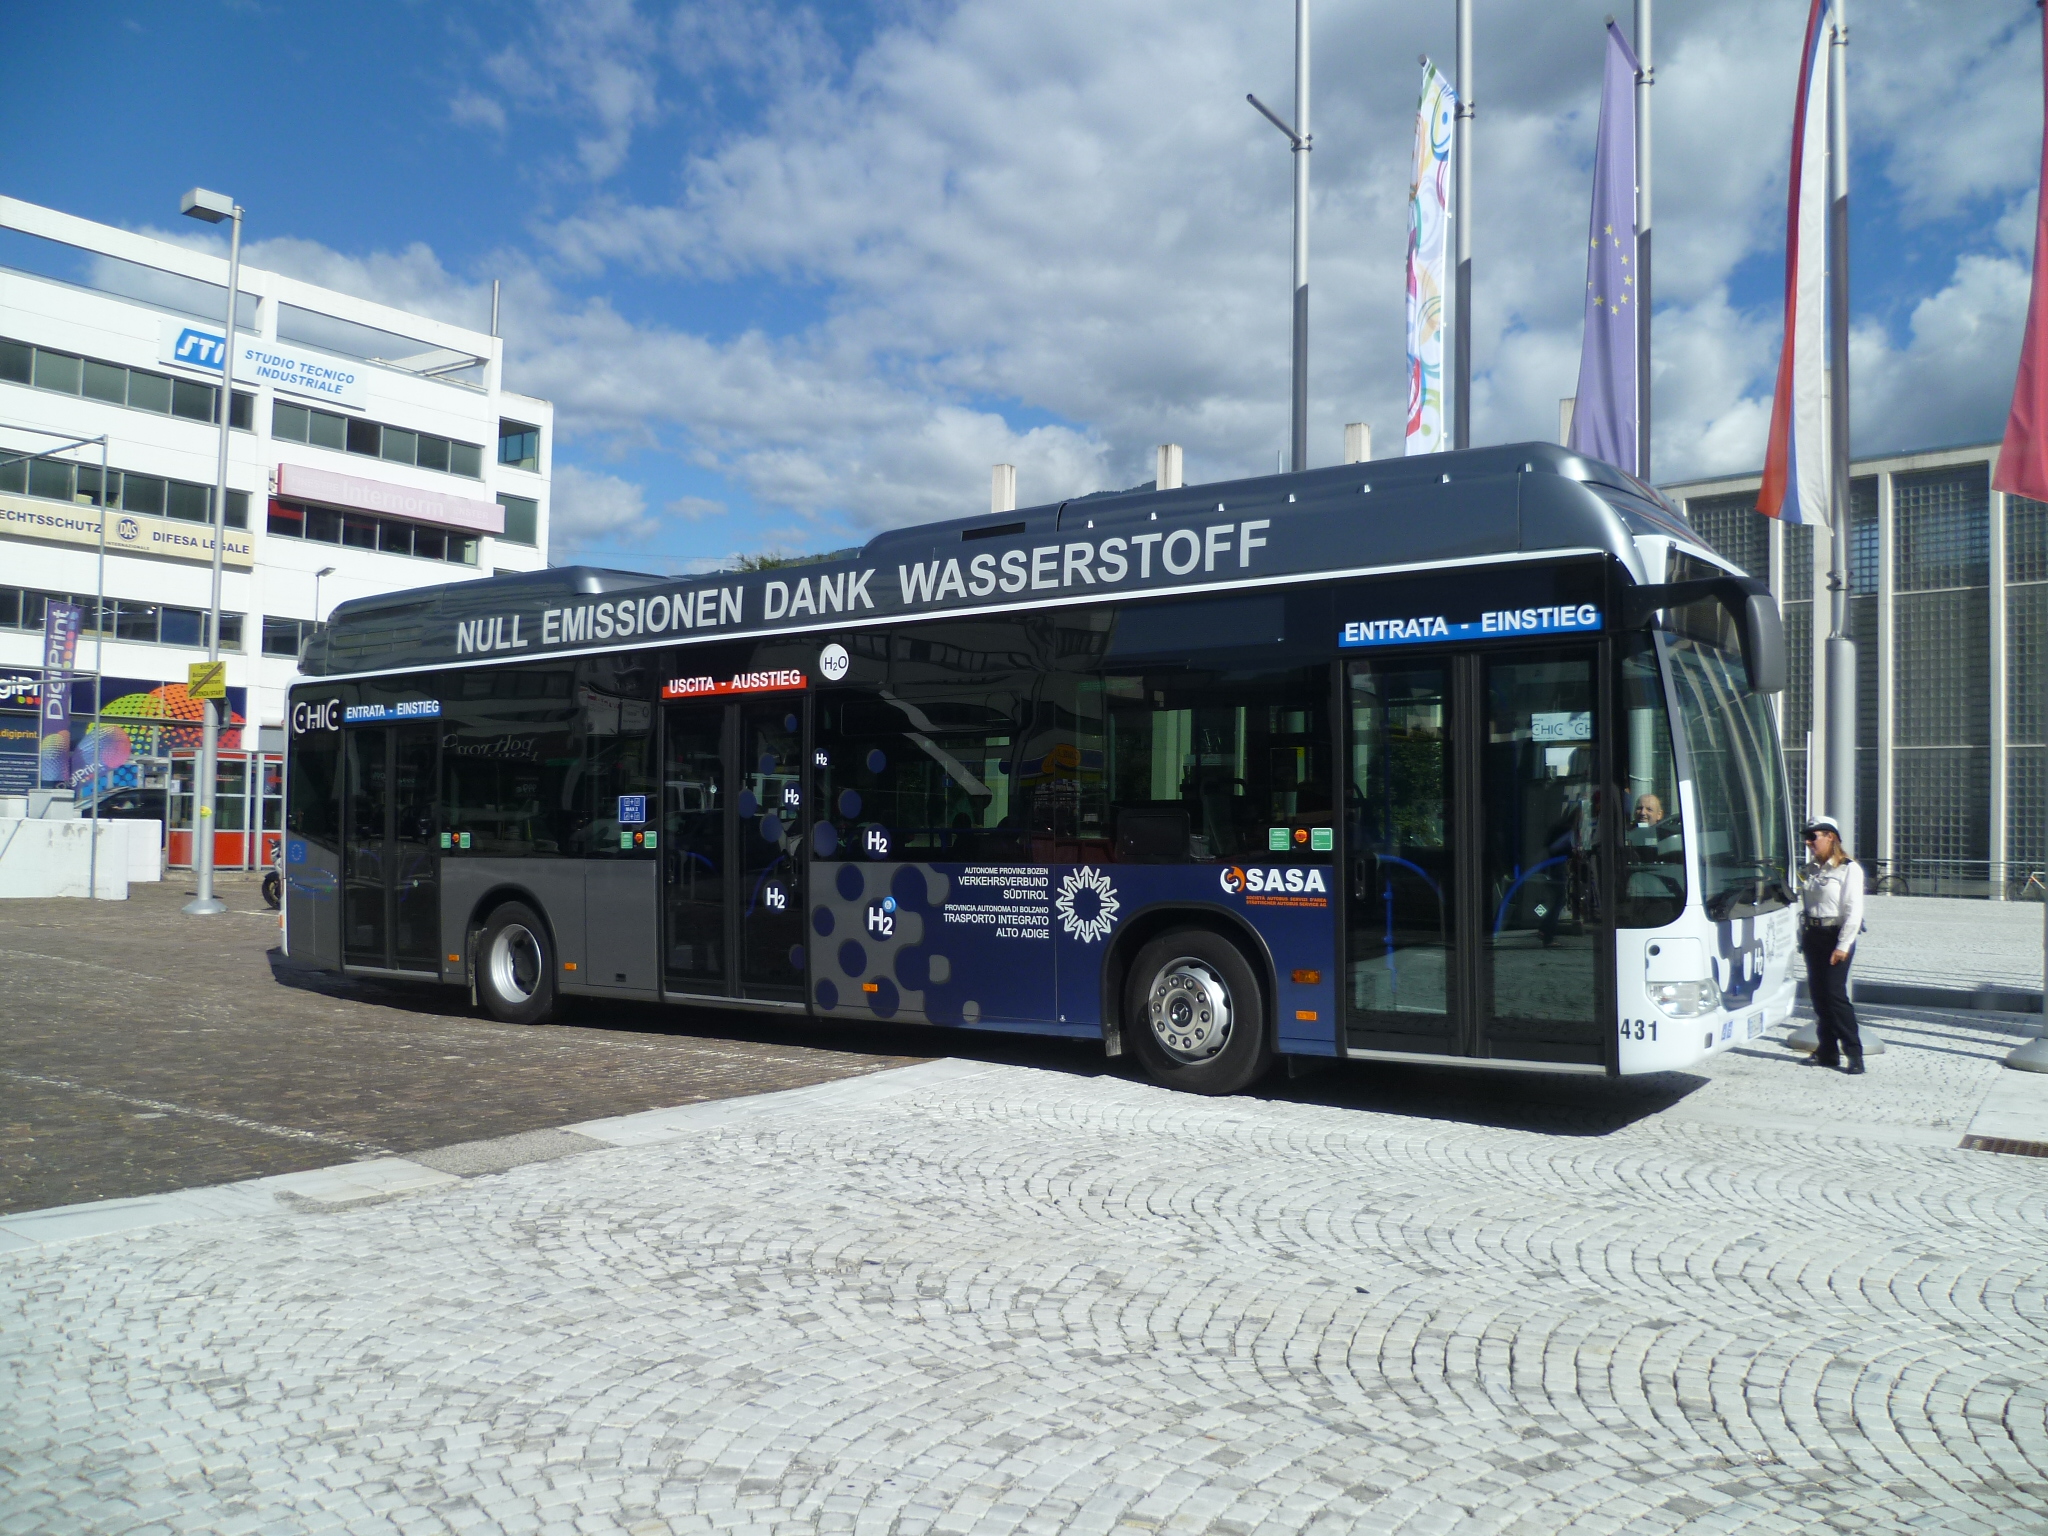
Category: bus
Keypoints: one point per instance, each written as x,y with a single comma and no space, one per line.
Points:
1467,759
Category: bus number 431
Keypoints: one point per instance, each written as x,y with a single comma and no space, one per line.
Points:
1638,1029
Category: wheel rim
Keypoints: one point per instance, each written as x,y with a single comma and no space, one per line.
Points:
1189,1010
515,962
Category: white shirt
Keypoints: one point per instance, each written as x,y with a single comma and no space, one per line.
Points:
1833,893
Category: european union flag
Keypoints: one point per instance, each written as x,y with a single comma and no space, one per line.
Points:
1604,419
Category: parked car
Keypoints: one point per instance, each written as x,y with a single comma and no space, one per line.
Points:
144,804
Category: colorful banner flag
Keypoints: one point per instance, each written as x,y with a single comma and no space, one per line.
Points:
1429,205
1795,484
2023,461
1604,419
61,624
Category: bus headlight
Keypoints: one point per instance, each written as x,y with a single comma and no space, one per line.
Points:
1685,999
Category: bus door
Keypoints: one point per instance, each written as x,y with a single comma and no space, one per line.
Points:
694,857
1474,915
391,895
732,868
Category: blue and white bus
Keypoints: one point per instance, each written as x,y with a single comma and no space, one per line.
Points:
1467,759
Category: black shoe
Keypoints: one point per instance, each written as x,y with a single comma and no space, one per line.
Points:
1821,1061
1854,1069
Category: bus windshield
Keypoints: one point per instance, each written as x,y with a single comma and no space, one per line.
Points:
1738,781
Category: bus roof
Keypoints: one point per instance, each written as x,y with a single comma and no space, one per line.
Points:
1483,504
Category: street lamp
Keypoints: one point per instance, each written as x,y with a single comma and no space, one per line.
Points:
325,570
213,207
1302,142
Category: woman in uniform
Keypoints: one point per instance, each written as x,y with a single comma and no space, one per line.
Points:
1830,917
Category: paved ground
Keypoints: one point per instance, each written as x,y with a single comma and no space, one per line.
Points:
973,1297
144,1051
1930,942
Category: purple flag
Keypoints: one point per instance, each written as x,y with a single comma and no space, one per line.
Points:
1604,419
61,623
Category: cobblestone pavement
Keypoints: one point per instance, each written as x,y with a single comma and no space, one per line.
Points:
143,1051
1931,942
980,1298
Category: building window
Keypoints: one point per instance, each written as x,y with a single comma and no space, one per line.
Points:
374,440
1734,528
285,637
358,530
519,445
151,495
121,618
114,384
522,519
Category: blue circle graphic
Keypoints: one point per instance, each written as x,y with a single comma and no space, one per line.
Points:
849,803
850,882
876,761
796,957
825,839
789,723
749,806
884,999
826,994
822,921
852,958
771,829
767,762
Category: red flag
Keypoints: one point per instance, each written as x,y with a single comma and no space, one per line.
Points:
2023,461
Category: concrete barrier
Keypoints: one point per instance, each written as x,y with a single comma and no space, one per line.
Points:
54,858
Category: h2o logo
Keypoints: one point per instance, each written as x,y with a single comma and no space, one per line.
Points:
316,715
834,662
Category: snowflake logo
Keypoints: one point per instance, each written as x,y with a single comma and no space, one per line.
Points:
1087,905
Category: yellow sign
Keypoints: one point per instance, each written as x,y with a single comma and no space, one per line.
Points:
31,517
206,680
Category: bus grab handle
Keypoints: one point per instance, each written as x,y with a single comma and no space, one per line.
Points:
1749,603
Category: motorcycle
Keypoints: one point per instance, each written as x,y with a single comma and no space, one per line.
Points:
273,881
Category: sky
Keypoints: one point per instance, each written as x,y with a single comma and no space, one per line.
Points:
794,273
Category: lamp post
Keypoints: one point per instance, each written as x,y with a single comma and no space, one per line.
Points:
324,571
213,207
1302,141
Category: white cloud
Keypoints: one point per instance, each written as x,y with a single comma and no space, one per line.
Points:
473,109
1056,235
591,508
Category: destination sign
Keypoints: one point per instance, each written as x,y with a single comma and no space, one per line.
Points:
738,682
1420,629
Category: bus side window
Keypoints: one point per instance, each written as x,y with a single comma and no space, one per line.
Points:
1219,766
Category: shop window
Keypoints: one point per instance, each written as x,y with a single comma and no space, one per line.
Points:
430,543
242,413
282,637
288,521
323,525
394,538
359,532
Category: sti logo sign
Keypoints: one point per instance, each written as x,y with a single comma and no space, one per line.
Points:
199,349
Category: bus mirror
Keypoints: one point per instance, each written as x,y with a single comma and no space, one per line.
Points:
1760,630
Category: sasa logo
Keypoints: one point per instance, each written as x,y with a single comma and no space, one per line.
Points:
1233,880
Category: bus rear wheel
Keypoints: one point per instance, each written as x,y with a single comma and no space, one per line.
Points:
1196,1015
515,972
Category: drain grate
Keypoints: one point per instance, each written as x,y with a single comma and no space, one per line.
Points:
2005,1144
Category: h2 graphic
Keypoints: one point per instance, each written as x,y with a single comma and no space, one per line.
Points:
882,918
775,898
875,842
197,349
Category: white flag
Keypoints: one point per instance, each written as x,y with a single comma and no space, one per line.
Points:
1429,204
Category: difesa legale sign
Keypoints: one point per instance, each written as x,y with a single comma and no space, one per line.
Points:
128,533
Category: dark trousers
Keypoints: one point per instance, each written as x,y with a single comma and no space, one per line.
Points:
1828,988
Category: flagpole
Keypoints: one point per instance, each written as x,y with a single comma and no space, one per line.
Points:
1461,170
1646,77
1840,755
1301,153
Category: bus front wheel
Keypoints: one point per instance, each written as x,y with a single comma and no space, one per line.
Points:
515,973
1196,1015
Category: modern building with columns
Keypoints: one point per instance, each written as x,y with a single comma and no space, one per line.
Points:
1948,607
371,450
